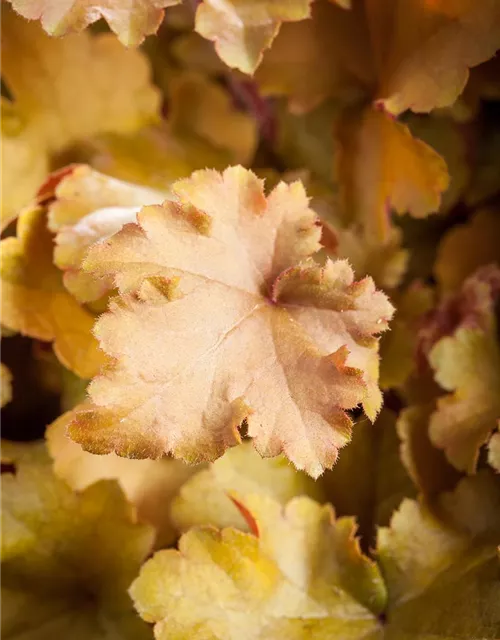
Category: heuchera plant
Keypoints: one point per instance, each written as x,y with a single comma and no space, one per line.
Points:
250,270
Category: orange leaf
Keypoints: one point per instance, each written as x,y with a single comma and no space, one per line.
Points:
383,167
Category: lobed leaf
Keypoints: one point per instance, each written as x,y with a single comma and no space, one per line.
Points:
131,21
303,576
383,168
35,301
441,582
218,318
63,90
67,558
243,29
465,418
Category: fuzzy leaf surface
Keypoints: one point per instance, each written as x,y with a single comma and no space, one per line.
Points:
221,319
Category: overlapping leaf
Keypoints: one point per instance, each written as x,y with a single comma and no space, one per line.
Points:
226,325
243,29
380,53
131,21
460,338
303,576
443,582
35,301
382,168
88,207
150,485
63,90
467,247
67,558
388,47
205,498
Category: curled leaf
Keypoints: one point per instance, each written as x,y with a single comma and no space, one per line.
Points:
88,207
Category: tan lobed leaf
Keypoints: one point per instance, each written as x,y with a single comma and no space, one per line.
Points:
88,207
466,417
466,362
67,558
382,168
150,485
442,582
466,247
221,320
494,450
63,90
243,29
5,385
35,301
204,499
302,576
131,21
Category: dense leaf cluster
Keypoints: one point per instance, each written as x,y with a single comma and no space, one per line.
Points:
250,282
